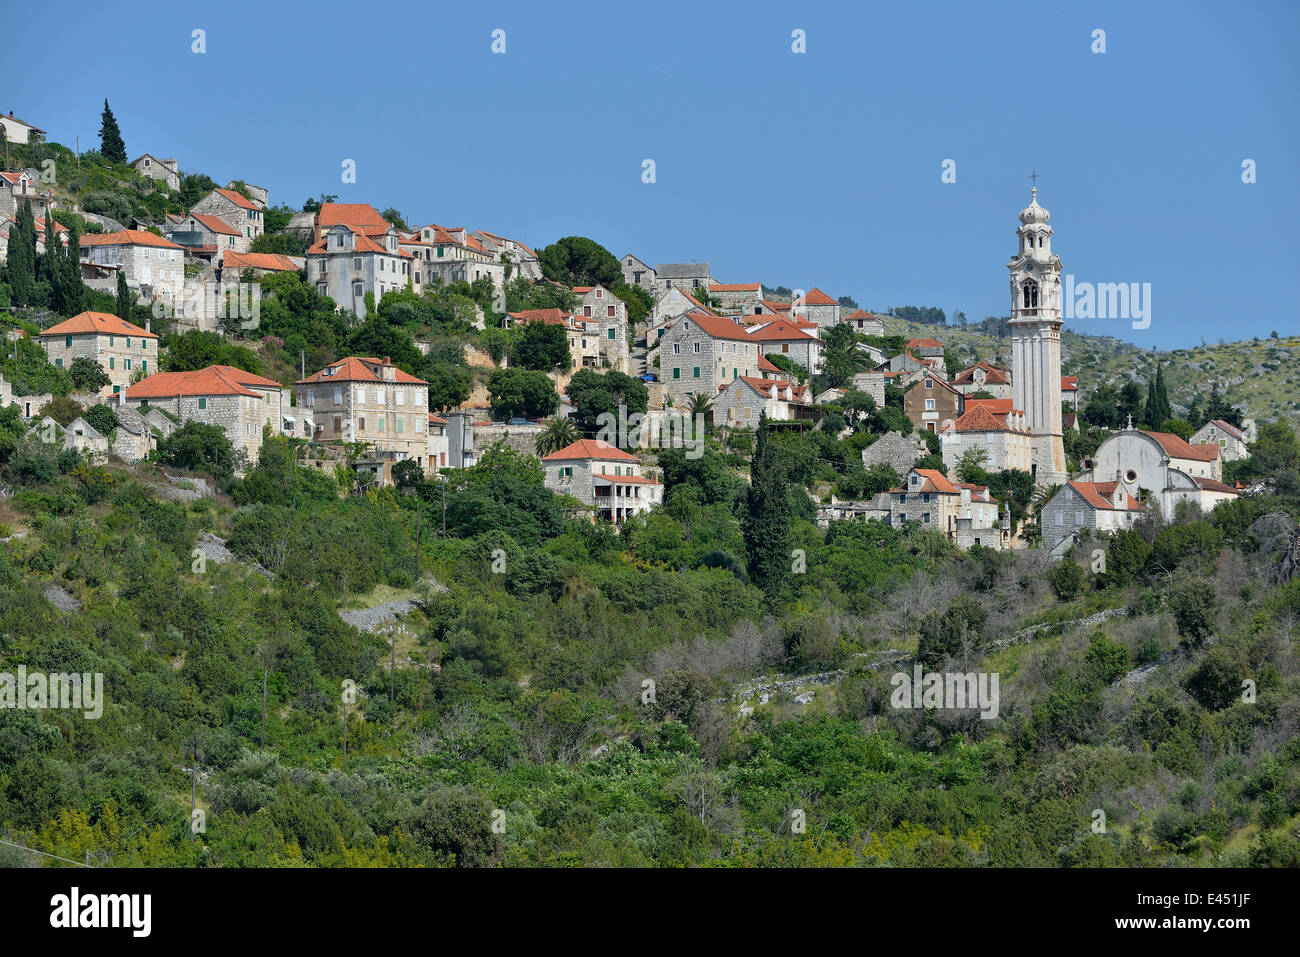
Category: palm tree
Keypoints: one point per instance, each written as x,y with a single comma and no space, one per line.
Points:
701,404
557,433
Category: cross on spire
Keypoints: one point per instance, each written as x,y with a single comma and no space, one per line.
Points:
1033,178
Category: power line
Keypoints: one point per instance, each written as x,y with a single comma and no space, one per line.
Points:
44,854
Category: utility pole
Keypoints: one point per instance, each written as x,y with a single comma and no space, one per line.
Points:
345,734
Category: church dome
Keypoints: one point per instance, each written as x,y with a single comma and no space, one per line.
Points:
1033,214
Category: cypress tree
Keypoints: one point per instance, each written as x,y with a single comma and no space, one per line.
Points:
1163,408
20,268
74,290
110,137
1149,409
123,297
766,523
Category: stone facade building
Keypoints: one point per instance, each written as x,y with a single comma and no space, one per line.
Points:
683,276
241,403
701,353
1096,507
931,403
1233,442
454,256
736,299
372,401
347,264
231,207
896,450
123,350
983,377
784,337
745,400
1005,440
164,170
965,513
522,258
637,273
204,234
154,267
604,478
819,308
867,324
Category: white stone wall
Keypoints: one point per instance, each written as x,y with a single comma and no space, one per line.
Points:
122,357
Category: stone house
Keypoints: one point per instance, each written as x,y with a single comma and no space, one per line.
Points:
15,189
1233,443
205,235
700,353
239,402
1070,390
604,316
784,337
454,255
523,259
123,350
79,435
16,131
983,377
1006,440
900,452
930,403
604,478
672,303
230,206
260,195
772,308
262,264
439,444
154,267
1097,507
637,273
736,299
744,400
819,308
930,499
865,323
369,400
873,384
163,170
347,264
136,436
683,276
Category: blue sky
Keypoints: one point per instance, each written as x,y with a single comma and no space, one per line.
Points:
820,168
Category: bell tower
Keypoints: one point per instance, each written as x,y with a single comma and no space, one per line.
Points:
1036,340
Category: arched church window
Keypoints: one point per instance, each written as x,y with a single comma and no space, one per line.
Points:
1030,295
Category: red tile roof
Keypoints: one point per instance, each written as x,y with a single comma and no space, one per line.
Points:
272,261
735,287
354,369
592,449
781,330
1231,429
1210,485
992,374
767,365
350,214
862,314
924,344
1069,383
1178,449
799,393
980,419
102,323
996,406
237,199
1098,495
214,380
718,327
935,481
127,237
818,298
554,317
215,224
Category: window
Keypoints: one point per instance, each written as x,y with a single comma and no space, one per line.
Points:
400,422
203,402
677,346
379,396
929,383
609,311
600,293
144,365
677,373
361,423
338,423
400,396
356,262
586,311
929,405
612,333
380,426
357,290
925,517
128,365
67,341
695,347
112,363
59,363
1078,518
128,342
697,372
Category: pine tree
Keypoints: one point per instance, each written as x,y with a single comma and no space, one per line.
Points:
110,138
766,523
123,298
20,269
